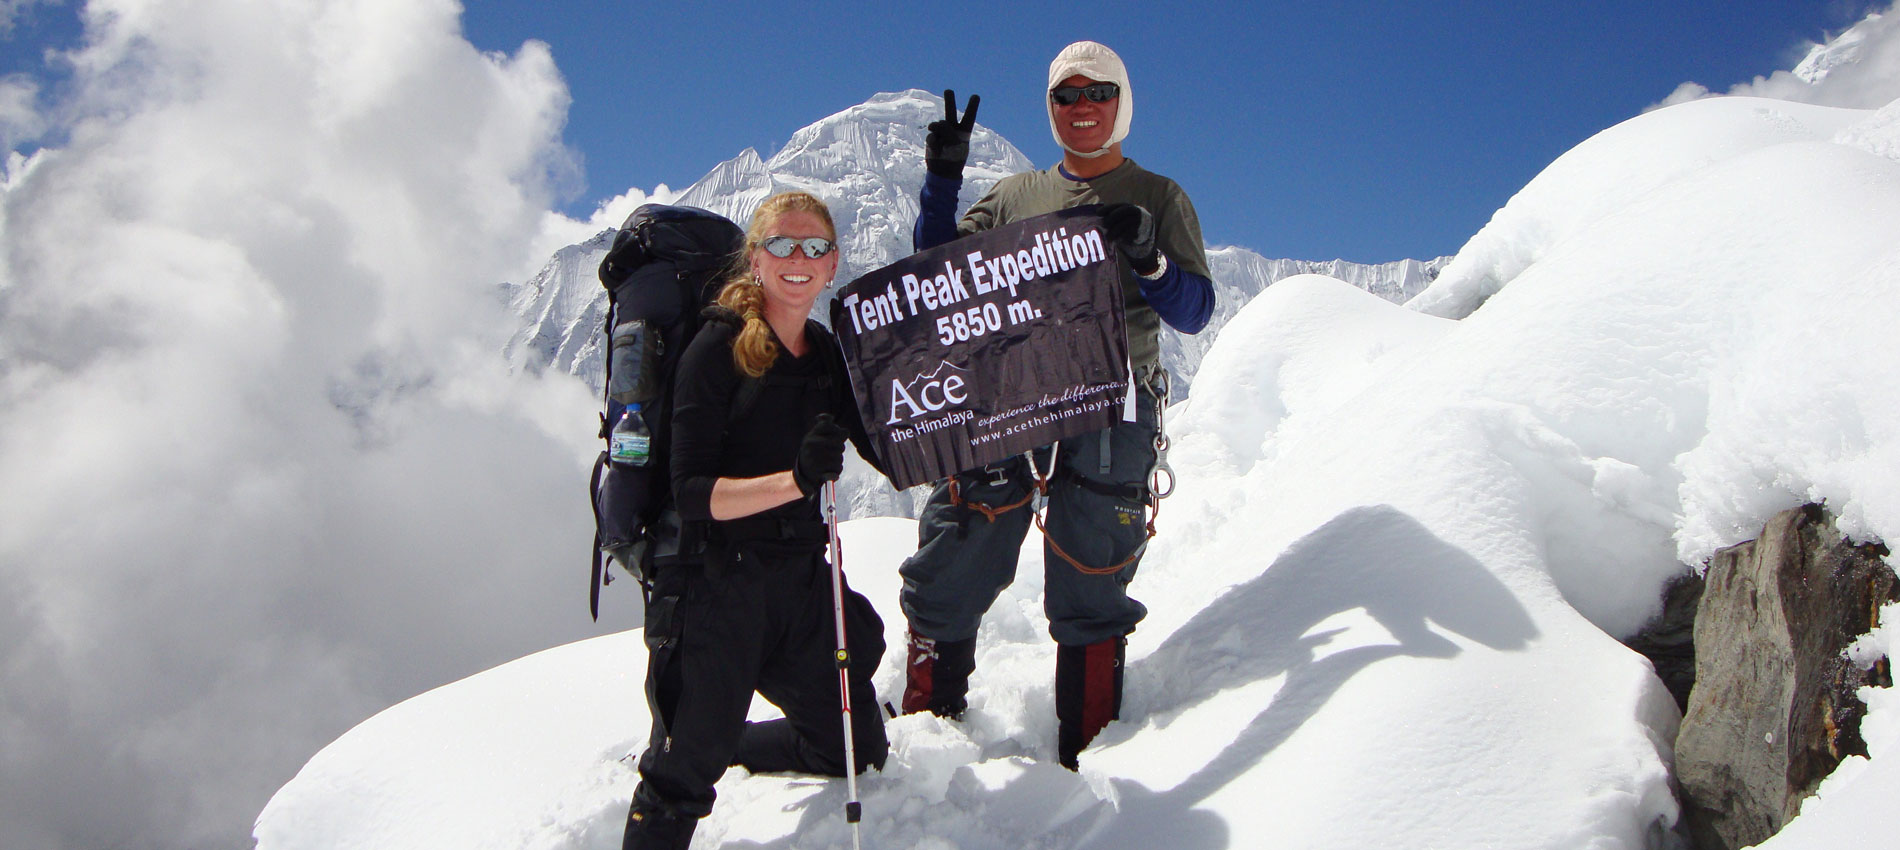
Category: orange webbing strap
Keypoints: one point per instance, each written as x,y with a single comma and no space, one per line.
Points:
989,513
1042,486
1155,491
1155,510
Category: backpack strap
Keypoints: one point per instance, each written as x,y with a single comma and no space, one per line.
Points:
839,372
600,576
744,397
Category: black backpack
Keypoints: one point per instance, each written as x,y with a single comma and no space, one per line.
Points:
664,268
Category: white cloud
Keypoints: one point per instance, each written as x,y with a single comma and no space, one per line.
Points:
1859,68
262,474
559,231
1683,94
20,119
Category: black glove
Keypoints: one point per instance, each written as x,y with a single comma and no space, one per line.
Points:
1132,228
947,141
820,456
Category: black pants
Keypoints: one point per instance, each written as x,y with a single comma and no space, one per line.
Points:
758,617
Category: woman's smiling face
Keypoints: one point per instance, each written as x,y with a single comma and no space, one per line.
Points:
795,281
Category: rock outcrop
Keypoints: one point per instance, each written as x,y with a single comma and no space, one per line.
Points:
1774,706
1669,640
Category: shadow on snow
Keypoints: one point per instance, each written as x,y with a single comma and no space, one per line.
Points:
1376,558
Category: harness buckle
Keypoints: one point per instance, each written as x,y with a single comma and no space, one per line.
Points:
998,475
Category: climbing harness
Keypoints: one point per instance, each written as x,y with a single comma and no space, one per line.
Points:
1159,485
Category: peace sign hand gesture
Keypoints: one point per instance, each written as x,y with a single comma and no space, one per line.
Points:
947,141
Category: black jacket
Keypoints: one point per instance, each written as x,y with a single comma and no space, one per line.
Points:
710,442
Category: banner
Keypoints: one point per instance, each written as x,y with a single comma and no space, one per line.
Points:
988,346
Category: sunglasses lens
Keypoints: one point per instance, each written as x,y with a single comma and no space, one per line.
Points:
783,246
1095,92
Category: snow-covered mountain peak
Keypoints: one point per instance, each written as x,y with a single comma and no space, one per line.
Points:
867,163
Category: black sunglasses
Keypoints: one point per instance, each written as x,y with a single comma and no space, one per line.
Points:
1095,92
783,246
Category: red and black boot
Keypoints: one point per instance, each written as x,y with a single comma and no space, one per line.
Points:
937,677
1088,694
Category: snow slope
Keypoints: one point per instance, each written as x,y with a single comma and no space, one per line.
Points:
1386,595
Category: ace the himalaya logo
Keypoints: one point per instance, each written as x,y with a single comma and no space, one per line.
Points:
929,394
988,346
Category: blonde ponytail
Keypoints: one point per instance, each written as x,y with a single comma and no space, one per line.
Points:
753,350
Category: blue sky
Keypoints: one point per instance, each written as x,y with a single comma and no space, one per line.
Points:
1368,131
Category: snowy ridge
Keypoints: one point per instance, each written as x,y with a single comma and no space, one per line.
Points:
562,316
1531,226
1240,274
1846,49
743,176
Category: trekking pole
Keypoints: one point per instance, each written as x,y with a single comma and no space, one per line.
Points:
852,809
